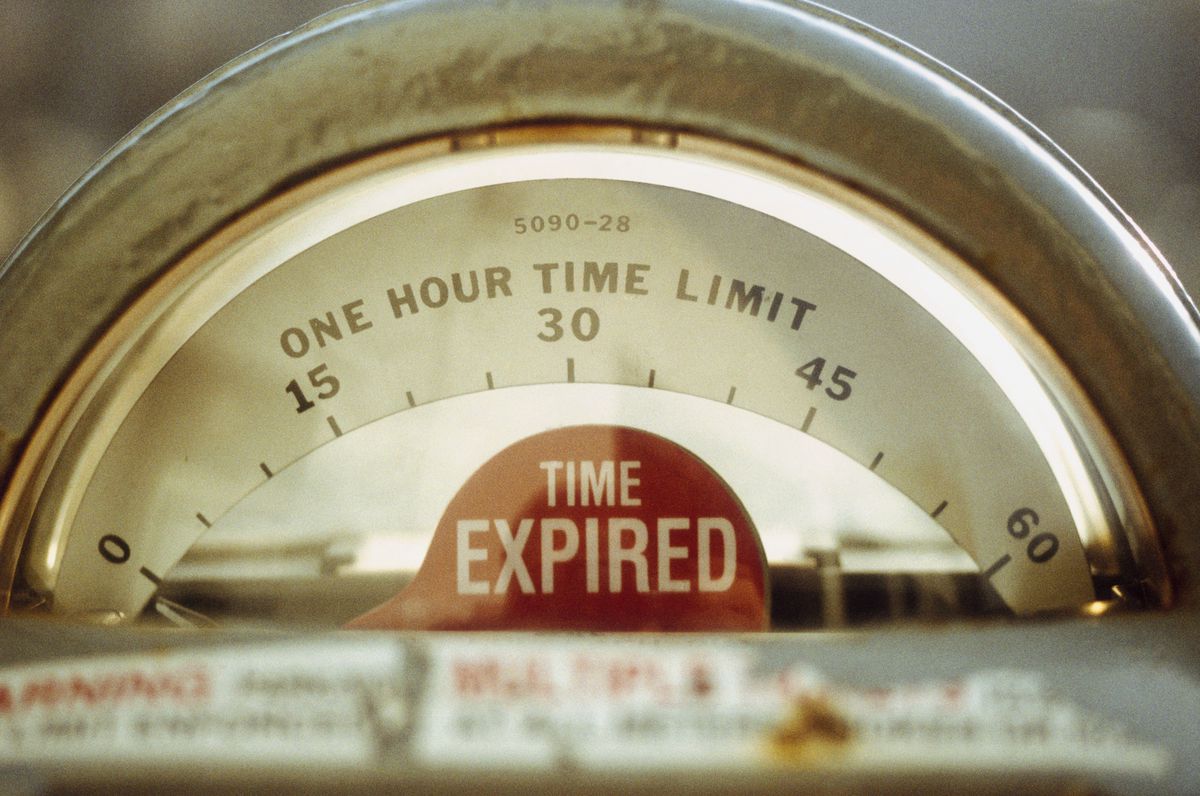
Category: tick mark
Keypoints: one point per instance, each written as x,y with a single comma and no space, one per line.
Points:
570,370
490,382
150,576
265,469
875,462
996,567
333,424
732,392
203,520
651,382
180,616
412,402
941,507
808,419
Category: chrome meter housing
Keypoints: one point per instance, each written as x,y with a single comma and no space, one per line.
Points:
759,118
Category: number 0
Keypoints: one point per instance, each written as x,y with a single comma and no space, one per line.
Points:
1042,547
114,549
585,324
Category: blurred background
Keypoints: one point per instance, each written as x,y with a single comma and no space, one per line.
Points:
1115,82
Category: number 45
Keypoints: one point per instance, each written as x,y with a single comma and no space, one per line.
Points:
842,376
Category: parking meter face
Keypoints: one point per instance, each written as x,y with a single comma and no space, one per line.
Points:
690,318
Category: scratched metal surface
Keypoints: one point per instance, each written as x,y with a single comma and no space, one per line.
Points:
1112,82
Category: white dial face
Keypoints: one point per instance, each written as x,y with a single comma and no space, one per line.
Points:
320,384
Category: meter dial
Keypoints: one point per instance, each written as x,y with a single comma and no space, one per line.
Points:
853,289
293,406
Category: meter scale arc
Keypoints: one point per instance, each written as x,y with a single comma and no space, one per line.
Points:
284,416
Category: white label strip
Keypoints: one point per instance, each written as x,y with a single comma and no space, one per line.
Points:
311,703
540,704
673,706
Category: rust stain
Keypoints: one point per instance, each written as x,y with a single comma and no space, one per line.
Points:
813,732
